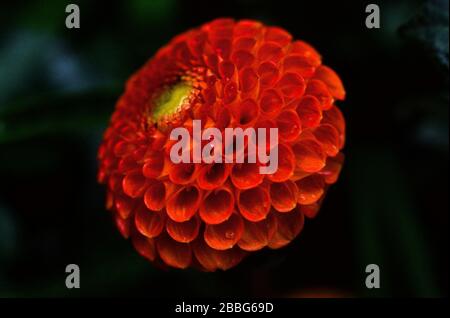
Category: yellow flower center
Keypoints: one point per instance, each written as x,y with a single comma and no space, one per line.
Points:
171,101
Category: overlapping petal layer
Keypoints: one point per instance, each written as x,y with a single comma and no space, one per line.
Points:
227,74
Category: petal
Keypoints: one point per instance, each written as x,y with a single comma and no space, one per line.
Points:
144,246
310,211
246,175
289,225
284,196
292,85
310,189
286,164
183,232
309,155
257,235
319,90
123,225
242,59
289,125
332,169
248,112
212,176
332,80
225,235
278,35
254,204
217,206
155,196
124,206
173,253
328,136
304,49
334,117
248,79
183,173
184,203
299,64
244,43
310,112
134,184
154,165
271,102
270,52
149,223
268,74
212,259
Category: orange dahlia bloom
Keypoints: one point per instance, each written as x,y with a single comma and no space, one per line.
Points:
227,74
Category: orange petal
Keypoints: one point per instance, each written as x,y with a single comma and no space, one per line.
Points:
124,206
332,80
154,197
248,28
212,259
134,184
184,203
334,117
311,210
309,155
242,59
299,64
183,173
244,43
286,164
304,49
173,253
149,223
284,196
154,165
246,175
248,112
123,225
289,125
126,164
328,136
310,189
123,148
212,176
270,52
183,232
310,112
217,206
278,35
225,235
248,79
268,74
226,69
289,225
271,102
332,169
254,204
144,245
320,91
257,235
292,85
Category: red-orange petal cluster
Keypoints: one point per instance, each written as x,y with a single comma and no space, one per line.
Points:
243,74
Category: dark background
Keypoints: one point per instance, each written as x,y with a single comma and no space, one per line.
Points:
390,207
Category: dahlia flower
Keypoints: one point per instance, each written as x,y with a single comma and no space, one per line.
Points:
227,74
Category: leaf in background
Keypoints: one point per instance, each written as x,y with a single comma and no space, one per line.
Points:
56,114
430,29
387,228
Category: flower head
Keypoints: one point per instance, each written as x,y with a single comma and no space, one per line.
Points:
227,74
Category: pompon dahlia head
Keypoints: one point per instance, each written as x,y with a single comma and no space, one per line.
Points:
227,74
